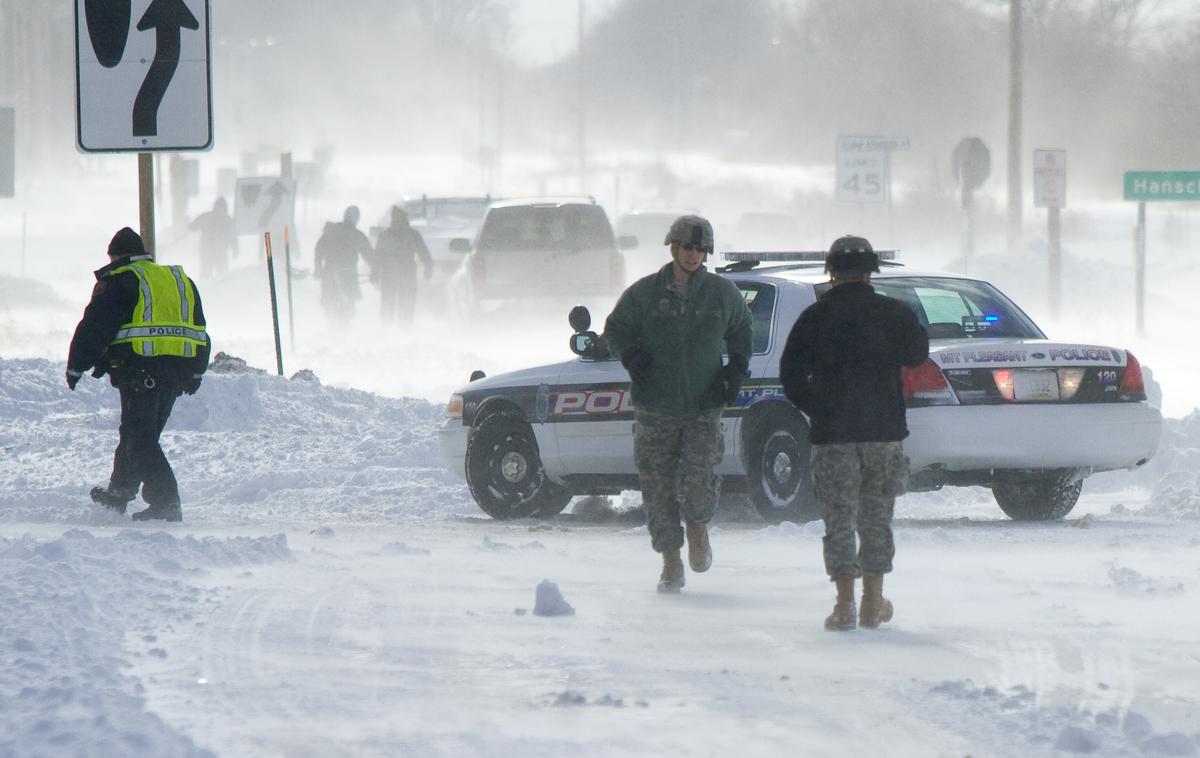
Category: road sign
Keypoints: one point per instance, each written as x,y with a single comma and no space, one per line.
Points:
863,168
1050,178
142,76
972,162
1162,185
8,152
263,203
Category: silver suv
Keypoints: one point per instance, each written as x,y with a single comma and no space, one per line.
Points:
540,248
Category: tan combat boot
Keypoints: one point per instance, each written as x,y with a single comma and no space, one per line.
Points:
844,616
876,609
672,573
699,551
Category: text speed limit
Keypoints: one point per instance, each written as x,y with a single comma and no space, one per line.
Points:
862,169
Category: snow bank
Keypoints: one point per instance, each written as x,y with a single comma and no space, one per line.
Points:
76,611
246,448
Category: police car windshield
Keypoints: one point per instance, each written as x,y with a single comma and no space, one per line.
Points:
959,308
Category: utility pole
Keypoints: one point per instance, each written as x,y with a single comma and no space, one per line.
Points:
582,135
1014,124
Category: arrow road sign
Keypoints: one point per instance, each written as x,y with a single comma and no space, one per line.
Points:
263,204
142,75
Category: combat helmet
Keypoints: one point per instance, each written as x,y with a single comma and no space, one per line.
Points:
691,230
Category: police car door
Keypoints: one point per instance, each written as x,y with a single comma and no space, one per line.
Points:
592,410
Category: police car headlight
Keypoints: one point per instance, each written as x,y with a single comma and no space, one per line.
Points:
454,408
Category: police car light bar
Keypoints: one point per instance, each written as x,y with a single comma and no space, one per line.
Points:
814,256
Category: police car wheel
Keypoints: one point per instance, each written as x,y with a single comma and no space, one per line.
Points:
505,473
1037,498
777,472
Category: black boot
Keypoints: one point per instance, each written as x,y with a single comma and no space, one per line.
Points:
110,499
167,512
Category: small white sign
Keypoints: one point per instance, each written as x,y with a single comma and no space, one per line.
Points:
1050,178
142,76
864,167
263,204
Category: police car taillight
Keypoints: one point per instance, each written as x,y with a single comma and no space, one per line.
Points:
1133,386
926,385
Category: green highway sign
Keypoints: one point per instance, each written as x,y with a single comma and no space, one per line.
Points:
1162,185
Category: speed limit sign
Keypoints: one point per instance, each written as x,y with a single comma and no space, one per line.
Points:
864,167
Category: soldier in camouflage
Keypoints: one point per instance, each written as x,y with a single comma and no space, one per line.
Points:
670,329
841,366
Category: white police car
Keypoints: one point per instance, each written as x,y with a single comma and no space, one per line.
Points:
996,405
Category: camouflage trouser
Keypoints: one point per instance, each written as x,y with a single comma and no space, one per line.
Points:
856,485
675,456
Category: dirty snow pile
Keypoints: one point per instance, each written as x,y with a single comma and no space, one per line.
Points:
77,611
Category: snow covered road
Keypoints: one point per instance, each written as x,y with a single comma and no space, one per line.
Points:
332,592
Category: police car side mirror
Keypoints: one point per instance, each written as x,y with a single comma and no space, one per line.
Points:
579,318
589,345
460,245
627,242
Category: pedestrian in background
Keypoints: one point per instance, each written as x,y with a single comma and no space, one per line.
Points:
218,239
145,328
670,330
335,265
394,267
842,367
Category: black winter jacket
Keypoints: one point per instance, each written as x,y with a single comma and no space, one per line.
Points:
841,364
113,300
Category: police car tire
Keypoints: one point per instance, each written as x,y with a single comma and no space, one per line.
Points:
1032,498
792,499
503,440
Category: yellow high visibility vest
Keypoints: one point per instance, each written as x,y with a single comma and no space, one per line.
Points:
163,322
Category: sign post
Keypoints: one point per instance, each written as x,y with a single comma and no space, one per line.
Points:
143,84
1153,186
1050,192
972,163
8,152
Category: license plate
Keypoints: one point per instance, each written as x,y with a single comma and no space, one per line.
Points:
1035,385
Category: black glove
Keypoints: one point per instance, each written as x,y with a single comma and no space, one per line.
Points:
733,375
72,379
191,385
637,362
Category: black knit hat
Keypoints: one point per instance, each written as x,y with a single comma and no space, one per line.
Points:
126,242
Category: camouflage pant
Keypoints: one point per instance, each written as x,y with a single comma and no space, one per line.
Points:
856,485
675,456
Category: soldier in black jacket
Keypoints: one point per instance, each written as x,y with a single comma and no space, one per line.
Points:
841,366
145,328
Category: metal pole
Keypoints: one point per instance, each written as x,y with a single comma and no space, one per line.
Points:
1014,125
1139,270
579,82
24,217
146,200
287,259
1055,263
274,303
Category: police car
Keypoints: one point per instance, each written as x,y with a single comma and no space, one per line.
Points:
997,405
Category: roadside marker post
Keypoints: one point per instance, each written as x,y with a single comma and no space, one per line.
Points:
274,303
287,259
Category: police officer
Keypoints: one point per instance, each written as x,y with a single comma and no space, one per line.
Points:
335,264
395,267
841,366
145,328
670,329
